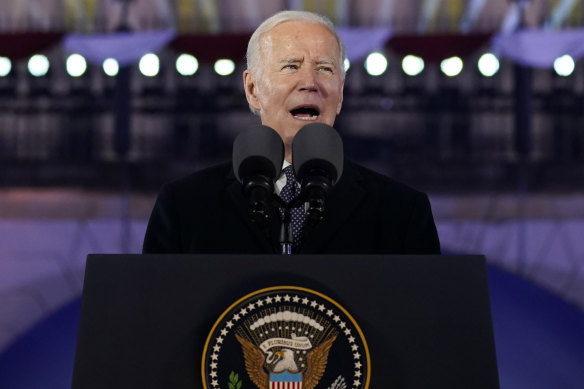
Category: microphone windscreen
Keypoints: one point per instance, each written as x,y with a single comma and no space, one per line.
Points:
258,150
318,146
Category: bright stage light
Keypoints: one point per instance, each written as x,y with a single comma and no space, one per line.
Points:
76,65
38,65
5,66
149,65
347,64
451,66
412,65
111,67
564,65
376,64
488,64
224,67
187,65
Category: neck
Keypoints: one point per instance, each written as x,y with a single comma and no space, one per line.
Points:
288,155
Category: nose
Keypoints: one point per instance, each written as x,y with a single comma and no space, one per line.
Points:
308,80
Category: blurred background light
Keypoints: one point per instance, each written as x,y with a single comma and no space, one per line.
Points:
5,66
451,66
488,64
376,64
111,67
149,65
224,67
187,65
412,65
76,65
38,65
564,65
347,64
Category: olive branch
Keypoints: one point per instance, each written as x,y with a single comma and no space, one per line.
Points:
234,382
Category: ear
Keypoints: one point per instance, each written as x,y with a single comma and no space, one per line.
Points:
249,84
341,98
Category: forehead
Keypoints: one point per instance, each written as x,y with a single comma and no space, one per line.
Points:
292,36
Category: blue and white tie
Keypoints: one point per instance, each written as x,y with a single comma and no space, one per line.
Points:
288,193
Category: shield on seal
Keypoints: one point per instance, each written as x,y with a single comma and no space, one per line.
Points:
286,380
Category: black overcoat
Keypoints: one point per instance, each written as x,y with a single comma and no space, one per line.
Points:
366,213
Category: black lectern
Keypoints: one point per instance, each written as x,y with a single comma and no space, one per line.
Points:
146,320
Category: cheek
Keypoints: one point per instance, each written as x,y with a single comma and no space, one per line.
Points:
271,98
335,100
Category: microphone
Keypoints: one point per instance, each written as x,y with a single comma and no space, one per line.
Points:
258,153
317,156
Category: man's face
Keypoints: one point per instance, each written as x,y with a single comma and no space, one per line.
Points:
299,81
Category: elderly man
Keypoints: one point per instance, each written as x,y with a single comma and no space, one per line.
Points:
295,76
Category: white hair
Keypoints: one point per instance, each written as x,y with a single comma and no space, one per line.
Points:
253,47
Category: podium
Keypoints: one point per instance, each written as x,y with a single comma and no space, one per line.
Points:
146,320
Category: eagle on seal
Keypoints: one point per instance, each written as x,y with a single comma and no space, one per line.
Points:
316,362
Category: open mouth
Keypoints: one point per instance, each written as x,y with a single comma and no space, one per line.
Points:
305,113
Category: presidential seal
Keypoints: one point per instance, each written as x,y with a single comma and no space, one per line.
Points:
285,337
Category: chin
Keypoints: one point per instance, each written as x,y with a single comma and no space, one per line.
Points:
290,135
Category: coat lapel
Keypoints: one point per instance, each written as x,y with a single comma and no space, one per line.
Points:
340,205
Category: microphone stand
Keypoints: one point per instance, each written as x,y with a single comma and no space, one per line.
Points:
314,194
286,235
259,216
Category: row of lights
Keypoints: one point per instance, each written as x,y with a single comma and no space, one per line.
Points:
149,65
376,64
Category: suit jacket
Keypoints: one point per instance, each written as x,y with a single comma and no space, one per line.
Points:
365,213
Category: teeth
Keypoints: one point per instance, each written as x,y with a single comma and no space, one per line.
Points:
307,118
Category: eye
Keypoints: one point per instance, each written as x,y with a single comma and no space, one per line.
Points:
290,67
326,69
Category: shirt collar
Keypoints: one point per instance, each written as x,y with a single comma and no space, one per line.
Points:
281,182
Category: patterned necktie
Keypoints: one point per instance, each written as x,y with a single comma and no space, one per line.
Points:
288,193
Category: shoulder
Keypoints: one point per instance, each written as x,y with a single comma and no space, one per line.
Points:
377,182
403,214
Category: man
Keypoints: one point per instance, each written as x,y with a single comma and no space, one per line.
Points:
295,76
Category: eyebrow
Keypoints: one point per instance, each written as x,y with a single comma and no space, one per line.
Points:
298,60
326,62
291,60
